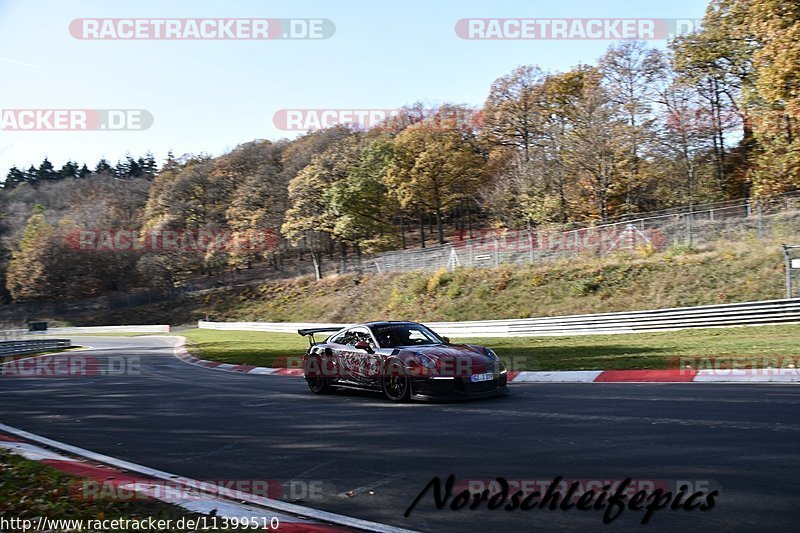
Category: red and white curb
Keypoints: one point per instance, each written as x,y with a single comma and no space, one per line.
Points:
686,375
183,354
103,469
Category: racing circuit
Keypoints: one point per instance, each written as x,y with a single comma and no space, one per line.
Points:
371,458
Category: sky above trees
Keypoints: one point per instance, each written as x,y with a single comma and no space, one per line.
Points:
212,96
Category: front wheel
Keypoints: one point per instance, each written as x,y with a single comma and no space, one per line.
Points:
395,383
315,376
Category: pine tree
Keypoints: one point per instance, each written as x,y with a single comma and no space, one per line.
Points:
148,165
69,170
31,176
46,171
14,177
104,167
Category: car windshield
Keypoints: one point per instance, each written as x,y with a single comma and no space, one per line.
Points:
394,335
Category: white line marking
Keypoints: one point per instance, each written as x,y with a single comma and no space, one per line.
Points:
29,451
365,488
269,503
192,501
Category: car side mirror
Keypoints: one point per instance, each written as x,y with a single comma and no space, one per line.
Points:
364,345
446,340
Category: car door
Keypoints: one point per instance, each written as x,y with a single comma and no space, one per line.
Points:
367,363
358,365
341,347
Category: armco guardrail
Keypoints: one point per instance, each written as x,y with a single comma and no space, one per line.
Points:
704,316
19,347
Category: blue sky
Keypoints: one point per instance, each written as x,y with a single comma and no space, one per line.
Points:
209,96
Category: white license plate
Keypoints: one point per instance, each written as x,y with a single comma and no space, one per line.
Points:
482,377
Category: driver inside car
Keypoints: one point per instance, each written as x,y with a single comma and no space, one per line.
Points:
396,337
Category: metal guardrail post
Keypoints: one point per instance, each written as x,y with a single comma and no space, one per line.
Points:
530,246
791,253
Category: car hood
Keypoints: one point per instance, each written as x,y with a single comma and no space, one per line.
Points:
463,354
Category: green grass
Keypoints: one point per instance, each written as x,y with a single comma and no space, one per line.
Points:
589,352
245,347
29,489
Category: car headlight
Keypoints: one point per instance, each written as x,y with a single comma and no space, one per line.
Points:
491,354
426,361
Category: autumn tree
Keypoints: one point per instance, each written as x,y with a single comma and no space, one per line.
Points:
512,114
717,62
311,220
595,156
631,74
27,276
776,95
258,204
434,167
361,203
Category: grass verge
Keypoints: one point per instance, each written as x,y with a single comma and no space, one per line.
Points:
29,490
255,348
588,352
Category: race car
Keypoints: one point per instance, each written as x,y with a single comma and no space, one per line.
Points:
403,360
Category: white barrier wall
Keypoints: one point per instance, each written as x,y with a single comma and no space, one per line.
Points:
704,316
88,330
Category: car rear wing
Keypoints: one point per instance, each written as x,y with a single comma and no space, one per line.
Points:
311,331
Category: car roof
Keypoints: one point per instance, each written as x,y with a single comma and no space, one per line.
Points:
389,323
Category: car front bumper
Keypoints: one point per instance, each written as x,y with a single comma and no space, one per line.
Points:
455,388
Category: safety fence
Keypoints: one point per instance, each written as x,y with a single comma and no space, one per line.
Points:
688,226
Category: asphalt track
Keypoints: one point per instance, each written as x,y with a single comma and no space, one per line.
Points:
372,458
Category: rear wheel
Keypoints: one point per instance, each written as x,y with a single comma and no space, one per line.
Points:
395,383
315,376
